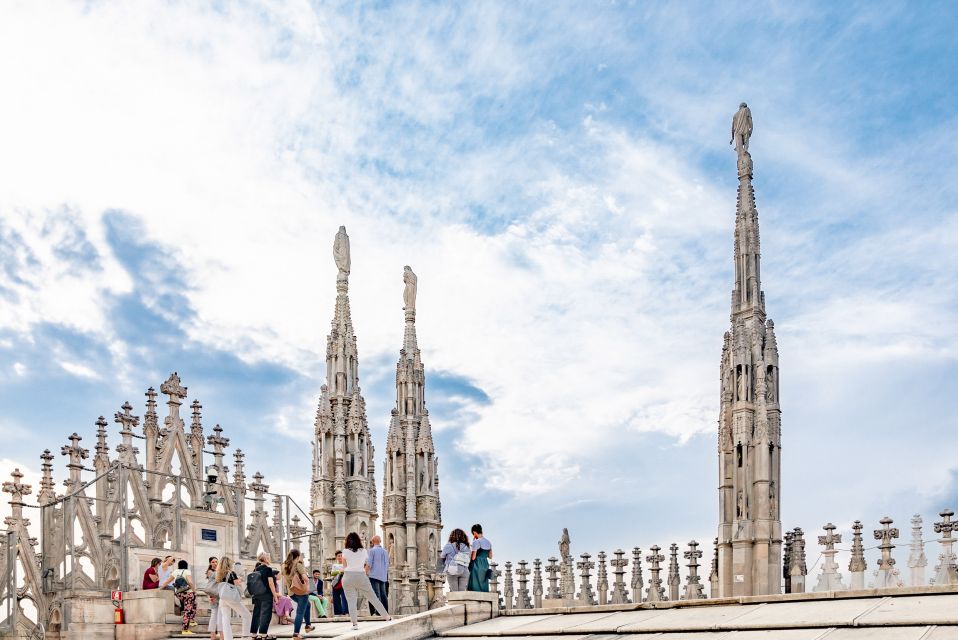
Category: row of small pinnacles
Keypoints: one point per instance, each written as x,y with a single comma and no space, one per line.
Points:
557,579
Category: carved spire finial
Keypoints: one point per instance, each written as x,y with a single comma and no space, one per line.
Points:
916,557
47,493
886,575
128,422
656,592
239,475
101,460
693,588
77,455
947,570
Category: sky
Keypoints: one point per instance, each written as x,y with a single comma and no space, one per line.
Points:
172,175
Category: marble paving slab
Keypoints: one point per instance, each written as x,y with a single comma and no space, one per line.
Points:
923,609
817,613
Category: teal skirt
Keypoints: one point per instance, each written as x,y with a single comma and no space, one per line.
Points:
479,572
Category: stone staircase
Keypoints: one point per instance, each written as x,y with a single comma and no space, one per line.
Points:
916,614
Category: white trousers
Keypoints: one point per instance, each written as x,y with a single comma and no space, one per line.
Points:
355,583
214,618
226,607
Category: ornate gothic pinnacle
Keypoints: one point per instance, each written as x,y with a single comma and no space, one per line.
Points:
47,493
76,455
693,588
239,476
102,458
16,489
857,562
886,534
655,592
173,389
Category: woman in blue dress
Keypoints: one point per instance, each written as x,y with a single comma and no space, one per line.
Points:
481,555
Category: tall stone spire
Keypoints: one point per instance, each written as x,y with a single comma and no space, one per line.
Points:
343,490
412,520
750,530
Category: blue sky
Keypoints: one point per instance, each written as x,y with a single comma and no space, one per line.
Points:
559,177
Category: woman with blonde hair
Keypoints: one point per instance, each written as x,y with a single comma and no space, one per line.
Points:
230,598
297,585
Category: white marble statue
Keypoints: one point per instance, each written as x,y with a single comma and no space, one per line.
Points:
341,251
409,294
741,129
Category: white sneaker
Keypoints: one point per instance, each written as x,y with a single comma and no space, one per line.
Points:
355,627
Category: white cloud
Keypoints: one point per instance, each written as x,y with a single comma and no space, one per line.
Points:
79,370
587,295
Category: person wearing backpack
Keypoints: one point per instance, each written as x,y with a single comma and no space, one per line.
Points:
230,598
297,584
261,584
185,591
455,557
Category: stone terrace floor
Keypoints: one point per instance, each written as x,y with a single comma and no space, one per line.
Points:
324,629
921,614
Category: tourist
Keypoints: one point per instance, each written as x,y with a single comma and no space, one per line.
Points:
378,572
339,596
297,585
455,557
481,555
263,591
316,598
185,591
166,568
283,607
230,599
355,581
151,577
214,599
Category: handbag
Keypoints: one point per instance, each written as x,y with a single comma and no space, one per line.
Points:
212,588
297,586
228,591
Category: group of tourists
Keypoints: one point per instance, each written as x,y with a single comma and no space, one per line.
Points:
467,565
356,572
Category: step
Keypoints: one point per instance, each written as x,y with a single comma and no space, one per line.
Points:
324,629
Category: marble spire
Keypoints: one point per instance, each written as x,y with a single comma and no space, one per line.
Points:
412,520
749,434
343,489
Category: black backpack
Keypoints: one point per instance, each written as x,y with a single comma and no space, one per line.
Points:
180,585
255,585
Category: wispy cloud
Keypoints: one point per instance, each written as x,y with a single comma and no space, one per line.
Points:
559,179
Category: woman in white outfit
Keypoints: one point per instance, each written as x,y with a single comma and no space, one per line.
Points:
231,600
355,581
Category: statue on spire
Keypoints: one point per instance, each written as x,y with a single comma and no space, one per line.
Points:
741,129
341,252
409,295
